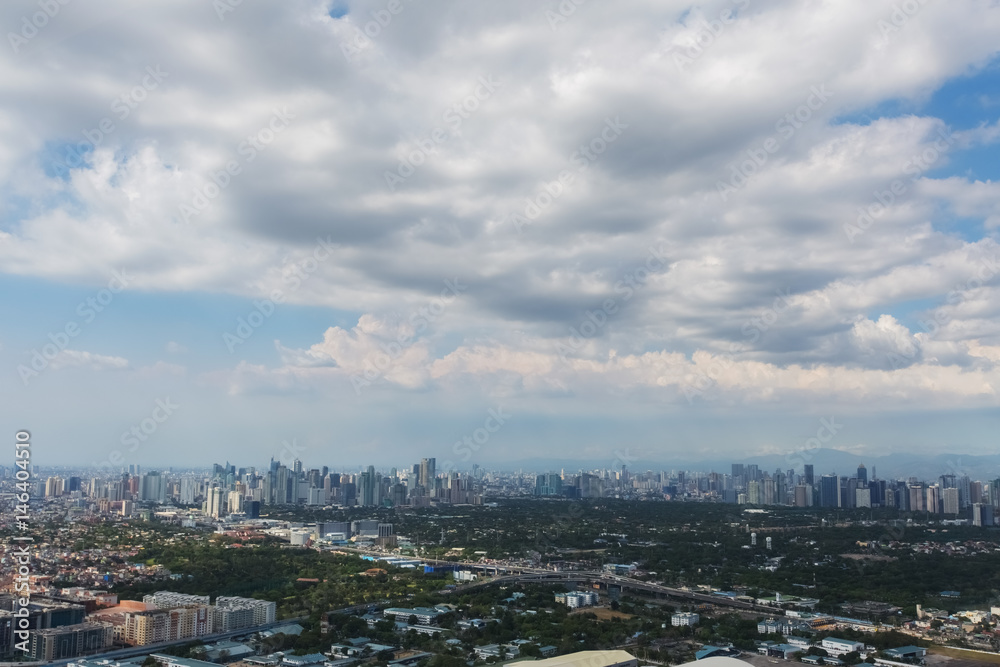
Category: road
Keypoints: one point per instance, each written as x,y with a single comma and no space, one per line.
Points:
509,573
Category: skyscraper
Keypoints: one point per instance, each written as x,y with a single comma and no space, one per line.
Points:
862,475
427,474
829,491
809,479
950,498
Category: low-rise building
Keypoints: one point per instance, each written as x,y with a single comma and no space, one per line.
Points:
838,647
683,618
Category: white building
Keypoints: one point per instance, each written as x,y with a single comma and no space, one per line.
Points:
264,611
576,599
838,647
683,618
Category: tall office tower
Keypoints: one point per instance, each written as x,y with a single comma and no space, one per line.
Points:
933,499
366,489
315,480
768,491
809,474
803,495
753,492
829,491
188,490
74,484
235,502
949,498
863,496
975,493
977,514
154,487
964,491
862,475
917,498
213,503
849,491
134,469
324,471
54,487
738,472
427,473
878,492
752,471
297,468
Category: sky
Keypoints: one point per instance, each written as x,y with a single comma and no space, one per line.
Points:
370,231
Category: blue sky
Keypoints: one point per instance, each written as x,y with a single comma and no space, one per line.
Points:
414,298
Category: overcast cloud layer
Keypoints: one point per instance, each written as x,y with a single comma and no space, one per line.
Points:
671,228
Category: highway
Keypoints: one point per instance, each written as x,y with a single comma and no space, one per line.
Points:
511,573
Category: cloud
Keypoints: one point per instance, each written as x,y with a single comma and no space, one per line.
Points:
257,166
88,361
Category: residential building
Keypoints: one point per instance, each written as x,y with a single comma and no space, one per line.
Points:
683,618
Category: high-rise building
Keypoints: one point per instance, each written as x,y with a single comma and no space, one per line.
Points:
233,613
154,487
829,491
214,502
188,490
234,502
949,498
808,474
54,487
862,475
934,499
427,473
70,641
